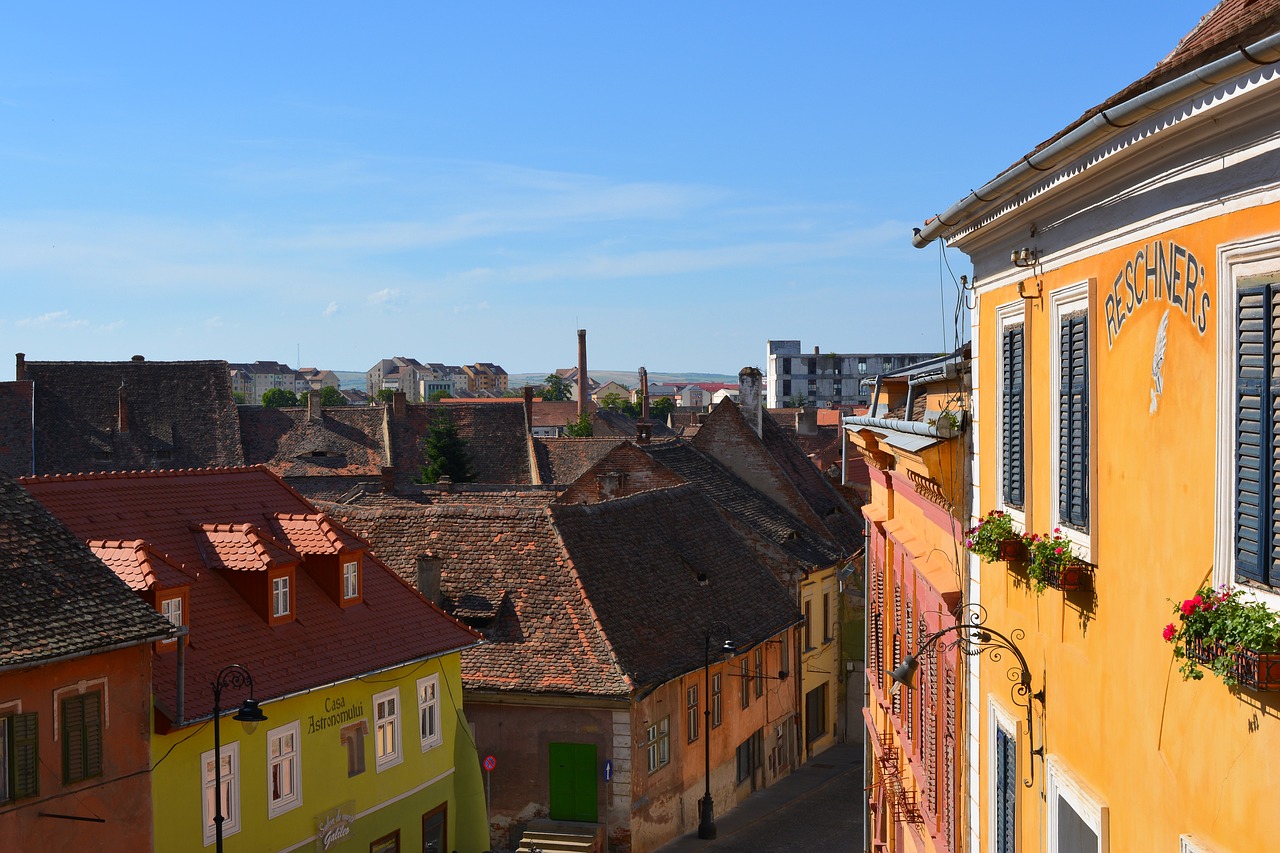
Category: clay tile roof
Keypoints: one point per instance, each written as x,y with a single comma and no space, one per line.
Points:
315,534
326,643
501,564
136,564
563,460
15,428
180,415
835,513
657,567
56,597
496,437
240,547
346,441
750,505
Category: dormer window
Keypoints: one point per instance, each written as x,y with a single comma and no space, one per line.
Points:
171,609
350,580
281,605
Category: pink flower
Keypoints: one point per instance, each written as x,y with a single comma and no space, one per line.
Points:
1057,550
1057,530
1189,606
1169,631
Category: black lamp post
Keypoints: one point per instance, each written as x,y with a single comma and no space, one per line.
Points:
973,638
232,675
706,807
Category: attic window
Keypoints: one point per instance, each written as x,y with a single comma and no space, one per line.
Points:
702,579
350,580
102,455
171,609
280,597
163,455
319,453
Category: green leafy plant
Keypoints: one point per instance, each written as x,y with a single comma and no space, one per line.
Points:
445,453
1049,555
1222,623
984,538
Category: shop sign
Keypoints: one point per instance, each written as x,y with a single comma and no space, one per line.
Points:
1158,272
333,826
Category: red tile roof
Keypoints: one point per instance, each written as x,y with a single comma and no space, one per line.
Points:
326,643
241,547
135,563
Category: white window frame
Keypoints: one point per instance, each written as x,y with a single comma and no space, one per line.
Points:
998,718
395,755
231,798
1236,261
293,800
351,582
280,585
1060,783
1009,314
659,744
428,692
1063,301
168,614
1190,844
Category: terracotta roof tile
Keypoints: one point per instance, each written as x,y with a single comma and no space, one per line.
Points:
240,547
137,565
347,441
56,597
327,643
563,460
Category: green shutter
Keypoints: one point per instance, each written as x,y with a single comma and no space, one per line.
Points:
81,737
26,756
1012,415
1253,432
1073,421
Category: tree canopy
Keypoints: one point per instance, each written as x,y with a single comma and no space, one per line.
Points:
329,396
445,453
275,398
661,407
384,395
556,388
579,427
437,396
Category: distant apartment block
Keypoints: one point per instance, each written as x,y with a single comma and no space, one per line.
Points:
485,378
419,381
826,379
254,380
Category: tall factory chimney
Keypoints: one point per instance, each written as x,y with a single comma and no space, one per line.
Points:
584,392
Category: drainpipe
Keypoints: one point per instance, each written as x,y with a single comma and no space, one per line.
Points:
868,756
1098,128
182,675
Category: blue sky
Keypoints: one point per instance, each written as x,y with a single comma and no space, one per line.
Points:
474,181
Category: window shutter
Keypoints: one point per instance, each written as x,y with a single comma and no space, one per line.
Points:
92,734
1012,409
1252,431
72,739
26,756
1006,791
1073,421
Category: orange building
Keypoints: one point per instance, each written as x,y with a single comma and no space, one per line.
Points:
1125,344
913,443
75,691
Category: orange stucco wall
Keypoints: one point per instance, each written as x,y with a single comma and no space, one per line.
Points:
117,804
1164,756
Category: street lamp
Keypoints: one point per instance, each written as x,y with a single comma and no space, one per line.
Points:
249,714
706,807
973,638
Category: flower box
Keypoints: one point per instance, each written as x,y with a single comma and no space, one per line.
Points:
1255,670
1069,578
1012,550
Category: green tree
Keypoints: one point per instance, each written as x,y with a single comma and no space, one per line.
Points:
330,396
238,396
660,408
275,398
579,427
556,388
445,453
613,401
437,396
384,396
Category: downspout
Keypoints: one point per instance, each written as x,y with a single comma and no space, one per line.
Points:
181,703
1098,128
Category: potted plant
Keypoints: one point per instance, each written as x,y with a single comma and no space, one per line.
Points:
1234,637
993,538
1052,563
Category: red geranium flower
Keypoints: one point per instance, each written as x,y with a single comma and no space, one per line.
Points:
1169,631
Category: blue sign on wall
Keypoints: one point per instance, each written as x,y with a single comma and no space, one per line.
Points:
608,770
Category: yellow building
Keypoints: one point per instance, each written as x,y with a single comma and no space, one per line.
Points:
1126,326
364,746
820,659
913,443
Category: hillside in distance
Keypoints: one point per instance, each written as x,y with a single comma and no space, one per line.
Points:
628,378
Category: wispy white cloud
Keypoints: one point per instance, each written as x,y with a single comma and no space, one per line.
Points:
213,323
54,319
331,309
382,297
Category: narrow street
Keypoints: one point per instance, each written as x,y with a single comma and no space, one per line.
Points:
817,808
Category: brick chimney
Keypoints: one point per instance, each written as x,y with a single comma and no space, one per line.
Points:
313,407
123,412
389,480
749,400
583,391
528,408
807,421
429,577
399,403
20,372
644,432
644,394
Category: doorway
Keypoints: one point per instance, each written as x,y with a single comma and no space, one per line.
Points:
574,782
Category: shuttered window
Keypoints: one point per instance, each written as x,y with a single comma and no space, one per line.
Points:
81,737
1257,525
1011,414
19,757
1006,785
1073,421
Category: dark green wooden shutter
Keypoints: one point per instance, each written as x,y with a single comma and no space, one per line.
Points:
1012,415
1006,791
26,756
1073,421
81,737
1257,522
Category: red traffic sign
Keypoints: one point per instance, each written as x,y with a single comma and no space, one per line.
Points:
490,762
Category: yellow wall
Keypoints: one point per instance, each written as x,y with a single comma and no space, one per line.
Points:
821,663
1166,757
422,781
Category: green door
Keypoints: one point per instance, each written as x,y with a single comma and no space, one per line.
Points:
573,782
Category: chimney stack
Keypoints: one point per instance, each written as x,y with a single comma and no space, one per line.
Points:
528,409
123,425
749,381
429,577
807,421
644,394
313,407
137,358
20,372
388,480
583,391
399,403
